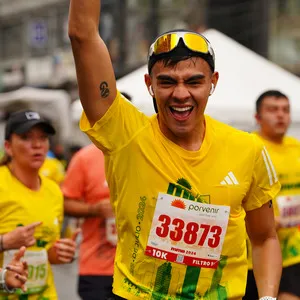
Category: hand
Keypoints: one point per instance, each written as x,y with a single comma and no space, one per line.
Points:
17,271
65,249
21,236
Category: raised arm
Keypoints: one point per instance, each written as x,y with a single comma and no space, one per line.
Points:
95,75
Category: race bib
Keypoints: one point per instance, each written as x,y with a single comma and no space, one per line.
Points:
187,232
289,210
37,268
111,231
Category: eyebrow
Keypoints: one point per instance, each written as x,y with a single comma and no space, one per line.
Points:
169,78
196,77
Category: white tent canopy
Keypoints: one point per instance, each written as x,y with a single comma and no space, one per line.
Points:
244,75
52,104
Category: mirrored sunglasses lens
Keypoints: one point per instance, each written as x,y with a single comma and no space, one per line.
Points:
166,43
196,43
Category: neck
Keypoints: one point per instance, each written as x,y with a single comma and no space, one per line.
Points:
273,139
190,142
30,178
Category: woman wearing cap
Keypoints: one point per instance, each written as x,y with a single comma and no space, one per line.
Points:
31,206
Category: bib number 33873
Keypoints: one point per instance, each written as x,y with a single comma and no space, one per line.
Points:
187,232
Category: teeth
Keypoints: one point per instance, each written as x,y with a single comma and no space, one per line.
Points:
181,109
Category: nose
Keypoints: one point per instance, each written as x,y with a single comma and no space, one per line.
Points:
281,113
36,143
181,92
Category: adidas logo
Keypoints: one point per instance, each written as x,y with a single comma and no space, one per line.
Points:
230,180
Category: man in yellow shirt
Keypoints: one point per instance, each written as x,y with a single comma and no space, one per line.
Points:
181,183
273,118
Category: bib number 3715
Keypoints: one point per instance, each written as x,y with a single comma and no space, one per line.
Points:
190,233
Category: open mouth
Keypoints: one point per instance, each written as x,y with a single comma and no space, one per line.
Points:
37,156
181,113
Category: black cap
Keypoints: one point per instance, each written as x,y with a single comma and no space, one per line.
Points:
22,121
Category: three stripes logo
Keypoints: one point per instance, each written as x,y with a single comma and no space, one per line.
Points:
230,180
269,166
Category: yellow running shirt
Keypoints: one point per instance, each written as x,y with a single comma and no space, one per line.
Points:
286,159
21,206
53,169
172,205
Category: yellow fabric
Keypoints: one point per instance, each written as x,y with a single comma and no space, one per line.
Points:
53,169
22,206
286,160
140,163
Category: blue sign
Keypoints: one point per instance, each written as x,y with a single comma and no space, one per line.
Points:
38,34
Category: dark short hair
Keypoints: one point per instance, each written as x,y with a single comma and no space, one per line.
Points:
270,93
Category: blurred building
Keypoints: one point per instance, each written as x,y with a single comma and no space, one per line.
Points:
269,27
35,48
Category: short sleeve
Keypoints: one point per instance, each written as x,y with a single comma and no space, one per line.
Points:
73,185
117,127
264,185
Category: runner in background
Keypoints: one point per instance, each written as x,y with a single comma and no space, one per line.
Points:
87,196
273,118
181,184
53,169
31,206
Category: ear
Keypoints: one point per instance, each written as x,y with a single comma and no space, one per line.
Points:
7,147
257,117
148,83
214,82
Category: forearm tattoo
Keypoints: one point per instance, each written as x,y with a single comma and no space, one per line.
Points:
104,90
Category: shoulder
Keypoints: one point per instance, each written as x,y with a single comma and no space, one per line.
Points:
4,172
291,141
88,153
231,135
88,150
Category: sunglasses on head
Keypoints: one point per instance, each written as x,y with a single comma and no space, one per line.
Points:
169,41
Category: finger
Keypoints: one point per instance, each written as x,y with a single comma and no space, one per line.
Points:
25,265
31,242
76,233
24,288
65,250
65,260
66,242
16,269
21,278
33,225
19,254
66,255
